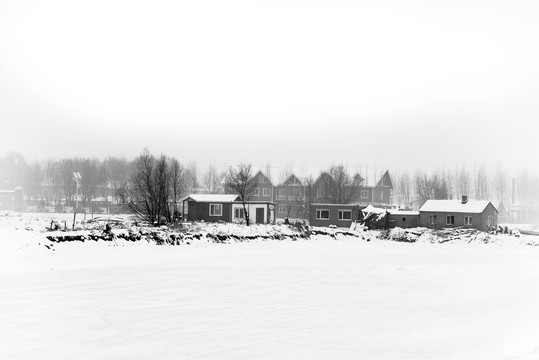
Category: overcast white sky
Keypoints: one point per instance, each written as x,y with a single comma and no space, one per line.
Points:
385,83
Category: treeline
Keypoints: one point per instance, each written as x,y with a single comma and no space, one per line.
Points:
52,180
498,185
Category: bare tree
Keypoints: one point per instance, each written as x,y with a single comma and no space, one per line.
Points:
309,187
433,186
92,178
239,180
34,178
527,188
178,183
116,170
66,170
211,179
462,181
148,188
192,177
501,185
162,189
403,190
52,181
343,187
481,184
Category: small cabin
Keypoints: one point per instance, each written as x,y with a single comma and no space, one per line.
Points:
402,219
477,214
340,215
226,208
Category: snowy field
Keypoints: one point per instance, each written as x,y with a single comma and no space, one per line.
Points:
323,298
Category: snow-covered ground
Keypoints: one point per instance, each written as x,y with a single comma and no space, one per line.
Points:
323,298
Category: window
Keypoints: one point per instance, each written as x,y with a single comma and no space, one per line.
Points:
282,192
216,210
256,192
239,213
266,192
345,214
467,220
490,220
450,220
432,219
319,193
297,192
382,195
282,208
322,214
364,194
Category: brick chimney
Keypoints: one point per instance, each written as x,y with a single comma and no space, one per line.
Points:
464,199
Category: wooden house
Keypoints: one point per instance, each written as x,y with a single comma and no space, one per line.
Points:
402,218
478,214
226,208
289,198
340,215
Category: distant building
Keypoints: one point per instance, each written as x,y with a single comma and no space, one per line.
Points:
11,199
263,190
370,190
289,198
523,213
478,214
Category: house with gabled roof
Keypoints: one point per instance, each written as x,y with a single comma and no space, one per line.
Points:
322,187
289,197
263,189
370,189
373,190
477,214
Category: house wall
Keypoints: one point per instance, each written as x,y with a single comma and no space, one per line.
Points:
268,212
479,221
333,215
289,200
381,195
261,183
261,197
370,195
197,211
490,210
402,221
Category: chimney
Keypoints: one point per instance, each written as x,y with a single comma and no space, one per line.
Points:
464,199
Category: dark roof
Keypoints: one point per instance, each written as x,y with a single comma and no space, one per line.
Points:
290,180
385,180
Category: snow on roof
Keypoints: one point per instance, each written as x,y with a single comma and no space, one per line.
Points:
212,198
403,212
373,209
328,204
455,206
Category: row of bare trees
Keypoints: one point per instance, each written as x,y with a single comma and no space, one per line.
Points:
156,187
496,184
52,180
